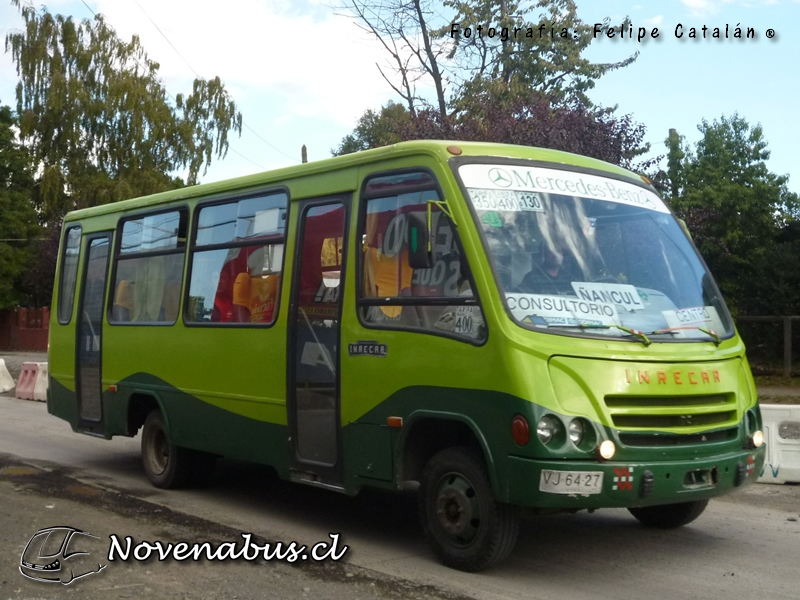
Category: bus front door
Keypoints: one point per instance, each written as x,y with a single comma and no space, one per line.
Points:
314,332
89,385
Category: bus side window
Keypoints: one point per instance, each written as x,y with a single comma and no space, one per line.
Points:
149,268
438,299
237,260
69,274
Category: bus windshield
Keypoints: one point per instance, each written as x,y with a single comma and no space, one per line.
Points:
585,254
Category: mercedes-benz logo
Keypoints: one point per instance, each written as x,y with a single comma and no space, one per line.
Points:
500,177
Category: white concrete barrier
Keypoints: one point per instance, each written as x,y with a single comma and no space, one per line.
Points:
40,386
6,381
782,434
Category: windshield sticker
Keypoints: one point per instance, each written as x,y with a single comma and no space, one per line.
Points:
560,311
684,320
612,293
492,219
505,200
487,178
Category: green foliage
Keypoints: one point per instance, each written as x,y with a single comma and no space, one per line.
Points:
376,129
529,120
548,60
736,208
18,226
98,120
501,88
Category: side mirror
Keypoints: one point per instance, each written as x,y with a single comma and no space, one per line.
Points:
419,255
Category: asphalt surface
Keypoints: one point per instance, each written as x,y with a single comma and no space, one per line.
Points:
744,546
37,496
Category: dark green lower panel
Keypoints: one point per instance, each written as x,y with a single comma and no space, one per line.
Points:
625,484
374,453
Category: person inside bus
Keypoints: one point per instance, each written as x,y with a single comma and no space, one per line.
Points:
123,302
255,291
551,273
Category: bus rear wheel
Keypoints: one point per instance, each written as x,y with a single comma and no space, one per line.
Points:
466,528
669,516
166,465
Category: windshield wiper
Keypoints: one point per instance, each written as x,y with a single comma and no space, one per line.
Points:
709,332
640,335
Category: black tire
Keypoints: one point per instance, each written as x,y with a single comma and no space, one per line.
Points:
669,516
464,525
166,465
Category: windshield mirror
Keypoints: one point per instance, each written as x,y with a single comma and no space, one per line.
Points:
582,253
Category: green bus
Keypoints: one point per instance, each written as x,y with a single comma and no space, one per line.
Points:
510,329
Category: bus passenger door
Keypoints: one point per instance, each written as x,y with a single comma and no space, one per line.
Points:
314,340
89,384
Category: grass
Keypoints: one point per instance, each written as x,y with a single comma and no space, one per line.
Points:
777,381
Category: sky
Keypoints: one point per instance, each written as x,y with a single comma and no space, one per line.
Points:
303,73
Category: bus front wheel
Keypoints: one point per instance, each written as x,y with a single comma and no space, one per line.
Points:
165,464
466,528
669,516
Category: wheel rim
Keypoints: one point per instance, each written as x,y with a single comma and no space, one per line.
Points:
158,455
457,509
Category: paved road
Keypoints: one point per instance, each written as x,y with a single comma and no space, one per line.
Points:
744,545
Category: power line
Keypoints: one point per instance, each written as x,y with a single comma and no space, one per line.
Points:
166,38
253,131
199,77
266,142
244,157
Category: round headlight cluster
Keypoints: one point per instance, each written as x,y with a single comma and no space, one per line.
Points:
576,431
546,429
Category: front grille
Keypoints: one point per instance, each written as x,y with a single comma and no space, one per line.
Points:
666,439
678,413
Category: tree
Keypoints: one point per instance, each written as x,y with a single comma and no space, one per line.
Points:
18,227
529,120
445,50
376,129
97,120
536,45
734,207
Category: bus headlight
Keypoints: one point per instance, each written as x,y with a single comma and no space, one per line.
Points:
607,449
575,431
758,439
546,429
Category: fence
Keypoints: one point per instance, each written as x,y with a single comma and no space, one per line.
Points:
770,342
24,329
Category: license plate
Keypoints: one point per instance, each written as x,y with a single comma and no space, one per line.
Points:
571,482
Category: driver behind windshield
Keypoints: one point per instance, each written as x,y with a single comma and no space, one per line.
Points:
552,272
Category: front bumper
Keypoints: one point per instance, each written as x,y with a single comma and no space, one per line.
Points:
627,484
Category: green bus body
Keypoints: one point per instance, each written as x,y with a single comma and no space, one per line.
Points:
682,414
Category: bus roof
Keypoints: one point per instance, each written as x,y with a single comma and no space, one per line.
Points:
438,148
